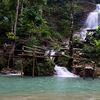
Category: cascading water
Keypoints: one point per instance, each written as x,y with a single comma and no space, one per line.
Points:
92,22
61,71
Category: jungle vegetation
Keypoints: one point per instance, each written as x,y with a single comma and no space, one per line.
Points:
45,23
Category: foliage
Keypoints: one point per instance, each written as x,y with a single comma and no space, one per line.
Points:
60,59
11,36
32,41
44,67
34,18
18,64
42,23
3,62
77,43
97,36
91,49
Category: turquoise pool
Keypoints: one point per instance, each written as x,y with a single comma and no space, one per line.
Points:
48,88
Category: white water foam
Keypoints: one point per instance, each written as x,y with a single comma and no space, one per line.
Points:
63,72
60,71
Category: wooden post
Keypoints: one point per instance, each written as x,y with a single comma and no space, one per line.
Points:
33,63
83,71
22,61
93,70
13,60
22,67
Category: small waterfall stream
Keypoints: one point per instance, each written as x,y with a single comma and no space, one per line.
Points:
63,72
59,70
91,22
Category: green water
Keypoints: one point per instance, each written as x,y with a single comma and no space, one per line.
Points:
48,88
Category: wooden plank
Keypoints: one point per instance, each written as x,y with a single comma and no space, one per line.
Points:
37,52
34,46
27,51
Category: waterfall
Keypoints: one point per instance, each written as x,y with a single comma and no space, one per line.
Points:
60,71
52,53
63,72
91,22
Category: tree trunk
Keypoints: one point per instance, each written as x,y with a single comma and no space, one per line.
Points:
16,16
71,31
70,62
10,55
14,31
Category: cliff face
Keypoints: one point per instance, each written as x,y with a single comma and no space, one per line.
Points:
87,7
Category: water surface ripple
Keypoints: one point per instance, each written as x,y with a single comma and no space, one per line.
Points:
48,88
